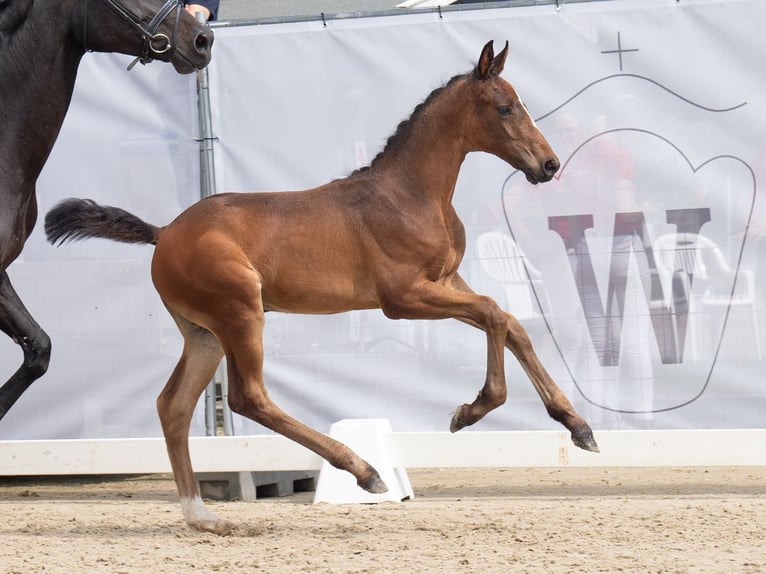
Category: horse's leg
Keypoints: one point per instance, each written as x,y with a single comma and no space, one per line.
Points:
241,334
175,405
428,300
556,403
17,323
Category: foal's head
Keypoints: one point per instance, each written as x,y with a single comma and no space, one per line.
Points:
500,123
148,29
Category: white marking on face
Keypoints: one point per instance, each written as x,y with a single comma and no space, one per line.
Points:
531,119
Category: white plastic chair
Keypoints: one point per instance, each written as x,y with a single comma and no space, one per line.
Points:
699,256
505,262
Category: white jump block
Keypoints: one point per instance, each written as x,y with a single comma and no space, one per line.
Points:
369,438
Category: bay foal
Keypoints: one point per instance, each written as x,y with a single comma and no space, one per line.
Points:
385,237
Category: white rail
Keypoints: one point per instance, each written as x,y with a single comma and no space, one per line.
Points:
408,450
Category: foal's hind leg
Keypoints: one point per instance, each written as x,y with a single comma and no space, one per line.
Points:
241,334
17,323
175,405
556,403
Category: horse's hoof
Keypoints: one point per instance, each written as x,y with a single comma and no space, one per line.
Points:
218,526
373,484
457,422
584,439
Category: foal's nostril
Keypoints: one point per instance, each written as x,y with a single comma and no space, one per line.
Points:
551,166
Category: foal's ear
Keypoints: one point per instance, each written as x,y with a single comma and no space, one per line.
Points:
489,64
499,62
483,68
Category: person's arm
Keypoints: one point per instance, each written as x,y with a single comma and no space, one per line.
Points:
207,7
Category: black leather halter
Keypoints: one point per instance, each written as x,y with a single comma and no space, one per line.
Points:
154,42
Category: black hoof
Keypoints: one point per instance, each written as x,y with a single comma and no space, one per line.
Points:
373,484
584,439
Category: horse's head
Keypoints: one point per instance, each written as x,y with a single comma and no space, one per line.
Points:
500,123
147,29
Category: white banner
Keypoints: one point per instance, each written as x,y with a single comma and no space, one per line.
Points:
639,270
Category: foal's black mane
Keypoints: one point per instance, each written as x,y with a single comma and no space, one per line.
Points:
404,129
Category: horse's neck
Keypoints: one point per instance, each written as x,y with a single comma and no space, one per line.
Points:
39,68
429,161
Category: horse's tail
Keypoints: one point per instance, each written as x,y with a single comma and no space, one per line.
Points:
75,219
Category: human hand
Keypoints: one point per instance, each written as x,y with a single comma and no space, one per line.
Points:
194,8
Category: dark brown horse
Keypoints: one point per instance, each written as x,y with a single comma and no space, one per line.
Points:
385,237
41,45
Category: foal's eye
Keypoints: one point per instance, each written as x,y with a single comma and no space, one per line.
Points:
504,110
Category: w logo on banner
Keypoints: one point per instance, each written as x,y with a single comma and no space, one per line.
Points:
631,241
625,240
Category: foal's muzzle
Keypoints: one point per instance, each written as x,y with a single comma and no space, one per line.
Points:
545,171
550,167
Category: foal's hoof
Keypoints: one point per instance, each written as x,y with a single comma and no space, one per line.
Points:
219,526
458,422
373,484
584,439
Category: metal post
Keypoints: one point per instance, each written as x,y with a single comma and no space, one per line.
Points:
207,188
206,138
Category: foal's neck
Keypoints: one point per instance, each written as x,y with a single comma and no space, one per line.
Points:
426,162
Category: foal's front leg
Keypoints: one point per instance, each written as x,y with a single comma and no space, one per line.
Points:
428,300
556,403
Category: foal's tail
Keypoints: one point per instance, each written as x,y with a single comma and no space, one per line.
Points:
75,219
